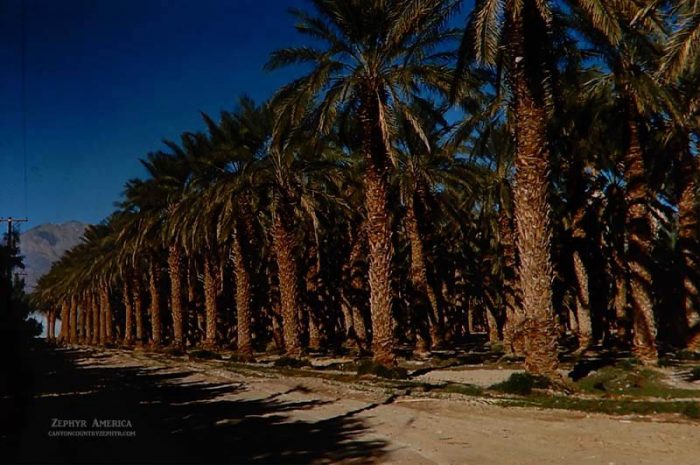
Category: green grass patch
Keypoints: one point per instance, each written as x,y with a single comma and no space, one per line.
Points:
688,355
173,351
350,367
204,354
241,358
292,362
464,389
692,410
640,382
608,406
521,384
368,367
695,374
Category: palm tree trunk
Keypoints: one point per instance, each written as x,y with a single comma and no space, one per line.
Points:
688,243
375,155
138,310
283,243
312,302
107,314
513,338
492,326
618,270
98,334
51,317
103,316
128,312
88,318
639,250
65,323
243,293
192,326
73,315
532,213
156,329
210,291
353,274
419,272
176,294
583,306
83,338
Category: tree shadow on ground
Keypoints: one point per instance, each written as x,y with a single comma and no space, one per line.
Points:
174,423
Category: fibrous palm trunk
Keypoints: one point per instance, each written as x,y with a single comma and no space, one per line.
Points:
106,313
210,291
312,281
88,318
138,310
176,294
102,309
617,268
51,317
583,296
374,153
128,313
353,273
193,333
65,322
639,249
284,246
97,334
154,290
73,315
532,212
688,243
583,307
82,337
243,293
513,337
419,272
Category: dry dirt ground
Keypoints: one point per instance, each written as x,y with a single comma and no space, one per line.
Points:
192,411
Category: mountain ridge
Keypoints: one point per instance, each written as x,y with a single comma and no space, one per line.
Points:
44,244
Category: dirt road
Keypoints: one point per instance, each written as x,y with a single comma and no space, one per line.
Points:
186,411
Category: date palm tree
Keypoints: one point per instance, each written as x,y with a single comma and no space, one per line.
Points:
372,56
629,57
513,35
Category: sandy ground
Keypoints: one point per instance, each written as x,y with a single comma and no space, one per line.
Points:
456,430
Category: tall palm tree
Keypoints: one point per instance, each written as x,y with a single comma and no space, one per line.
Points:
373,55
514,35
679,66
630,56
229,202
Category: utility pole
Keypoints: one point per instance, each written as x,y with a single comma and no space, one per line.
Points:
10,221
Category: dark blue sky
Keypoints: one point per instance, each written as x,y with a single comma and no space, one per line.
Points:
107,80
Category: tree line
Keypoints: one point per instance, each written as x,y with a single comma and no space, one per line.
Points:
530,173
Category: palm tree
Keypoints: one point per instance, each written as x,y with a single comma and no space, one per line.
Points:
679,66
229,203
375,54
169,174
514,35
630,57
682,50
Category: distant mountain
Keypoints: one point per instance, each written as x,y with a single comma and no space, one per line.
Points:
46,243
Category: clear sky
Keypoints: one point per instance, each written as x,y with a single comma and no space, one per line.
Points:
107,80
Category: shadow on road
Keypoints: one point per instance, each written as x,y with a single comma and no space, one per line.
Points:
173,423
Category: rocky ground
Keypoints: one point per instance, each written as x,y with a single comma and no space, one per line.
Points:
189,410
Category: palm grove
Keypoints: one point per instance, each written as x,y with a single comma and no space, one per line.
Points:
532,173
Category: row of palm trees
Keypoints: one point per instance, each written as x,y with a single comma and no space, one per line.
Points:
533,174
